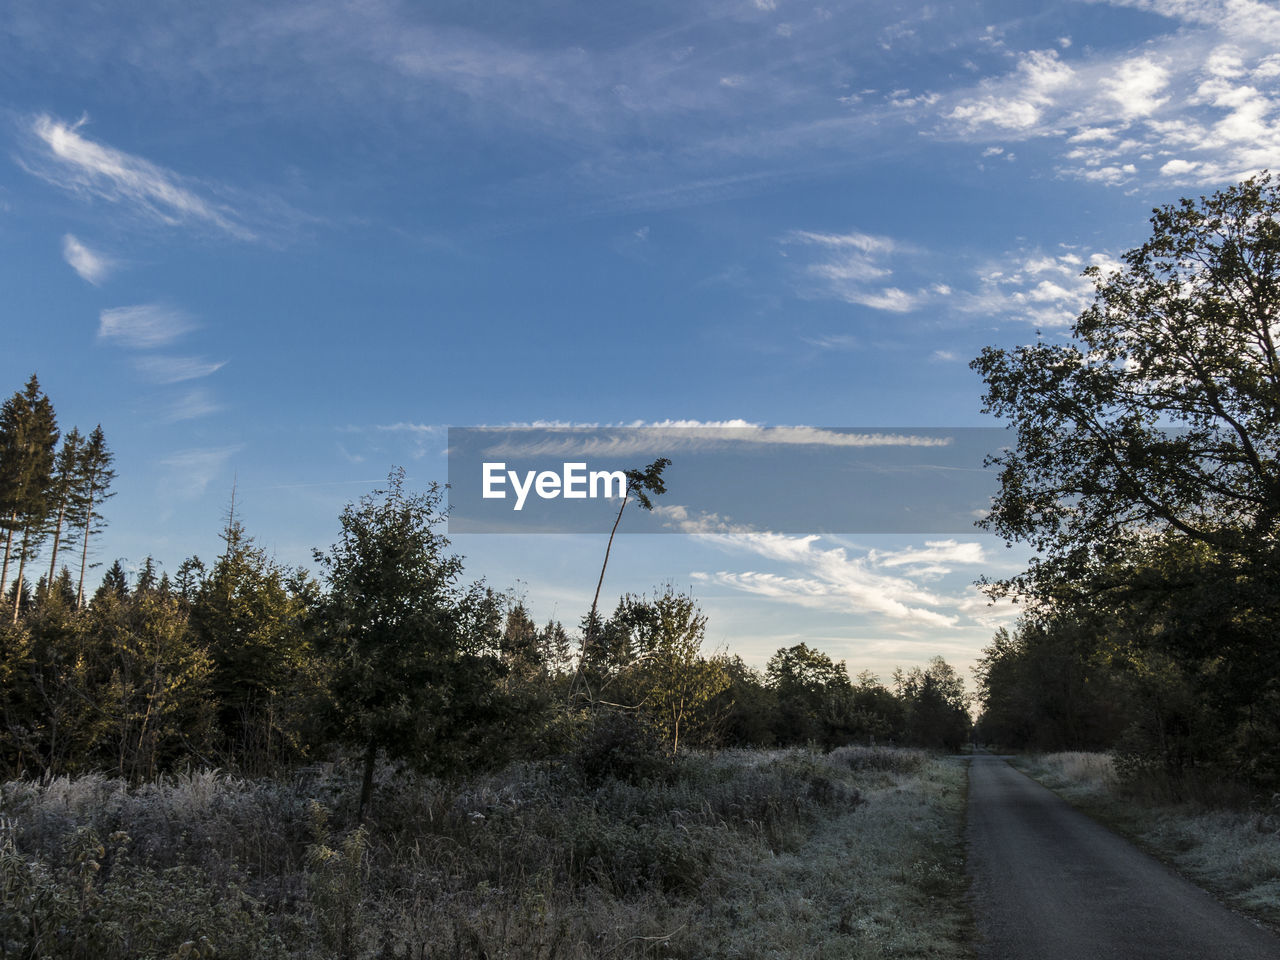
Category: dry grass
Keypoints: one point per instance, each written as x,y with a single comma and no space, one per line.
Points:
742,854
1088,771
1233,851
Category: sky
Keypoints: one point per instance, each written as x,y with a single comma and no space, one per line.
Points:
283,247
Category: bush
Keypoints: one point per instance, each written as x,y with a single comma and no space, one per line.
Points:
620,745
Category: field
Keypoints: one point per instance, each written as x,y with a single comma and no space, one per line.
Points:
737,854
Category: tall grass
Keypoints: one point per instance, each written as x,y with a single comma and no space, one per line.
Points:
744,854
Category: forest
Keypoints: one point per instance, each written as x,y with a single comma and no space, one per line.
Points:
386,652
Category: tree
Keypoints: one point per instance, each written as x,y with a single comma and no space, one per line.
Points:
155,696
1162,418
1146,472
747,707
92,488
677,682
252,626
807,683
642,483
28,437
936,705
62,493
412,654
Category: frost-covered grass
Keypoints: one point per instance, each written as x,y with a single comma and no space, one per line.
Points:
742,854
1230,848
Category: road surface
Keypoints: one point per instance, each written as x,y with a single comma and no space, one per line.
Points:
1051,884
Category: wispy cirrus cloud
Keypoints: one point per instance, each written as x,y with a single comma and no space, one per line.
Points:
191,471
91,265
191,406
858,268
165,369
887,584
62,155
143,326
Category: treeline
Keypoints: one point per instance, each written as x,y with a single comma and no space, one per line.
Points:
386,653
1147,474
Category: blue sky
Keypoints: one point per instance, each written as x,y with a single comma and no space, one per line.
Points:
288,245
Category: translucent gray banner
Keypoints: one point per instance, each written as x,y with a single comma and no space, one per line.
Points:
723,479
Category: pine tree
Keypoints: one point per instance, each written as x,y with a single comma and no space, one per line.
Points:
251,625
28,438
93,486
115,583
63,491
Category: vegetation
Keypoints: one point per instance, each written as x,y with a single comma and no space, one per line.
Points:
783,853
1145,472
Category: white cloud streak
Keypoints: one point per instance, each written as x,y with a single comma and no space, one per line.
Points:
168,369
191,471
854,267
91,265
63,156
143,326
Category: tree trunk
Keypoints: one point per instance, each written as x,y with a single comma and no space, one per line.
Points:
8,546
609,546
57,539
84,548
22,564
589,637
366,785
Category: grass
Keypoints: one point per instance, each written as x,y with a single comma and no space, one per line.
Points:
1229,847
738,854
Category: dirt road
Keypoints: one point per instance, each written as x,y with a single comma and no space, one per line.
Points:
1051,884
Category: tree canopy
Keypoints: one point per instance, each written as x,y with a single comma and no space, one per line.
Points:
1161,417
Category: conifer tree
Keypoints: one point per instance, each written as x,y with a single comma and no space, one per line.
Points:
62,492
93,486
28,438
245,616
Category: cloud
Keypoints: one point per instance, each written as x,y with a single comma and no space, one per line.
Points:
1135,86
835,341
669,436
1045,290
937,557
67,159
92,266
167,369
830,579
191,471
143,326
191,406
1018,101
855,268
1193,107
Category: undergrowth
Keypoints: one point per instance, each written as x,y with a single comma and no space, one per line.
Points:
742,854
